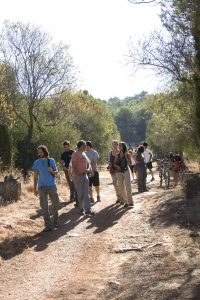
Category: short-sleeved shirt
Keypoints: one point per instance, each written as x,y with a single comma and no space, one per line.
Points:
45,177
66,157
93,156
147,155
80,162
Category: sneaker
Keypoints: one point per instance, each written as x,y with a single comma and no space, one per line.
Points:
118,201
126,205
90,213
46,229
98,199
56,225
82,212
92,200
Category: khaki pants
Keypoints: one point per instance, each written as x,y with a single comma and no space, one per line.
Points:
124,186
115,184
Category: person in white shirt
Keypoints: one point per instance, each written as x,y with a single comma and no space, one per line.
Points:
94,175
148,156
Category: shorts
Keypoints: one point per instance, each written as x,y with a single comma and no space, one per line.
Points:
149,165
94,180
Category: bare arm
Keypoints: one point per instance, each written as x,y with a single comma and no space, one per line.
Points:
35,182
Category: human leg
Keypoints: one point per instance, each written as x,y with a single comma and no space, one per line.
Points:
127,181
78,182
53,195
43,196
86,199
121,186
115,184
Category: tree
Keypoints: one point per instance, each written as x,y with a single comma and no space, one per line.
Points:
41,69
179,54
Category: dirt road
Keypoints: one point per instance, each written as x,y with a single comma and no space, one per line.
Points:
147,252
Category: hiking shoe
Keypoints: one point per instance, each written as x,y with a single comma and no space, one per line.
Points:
46,229
92,200
98,199
90,213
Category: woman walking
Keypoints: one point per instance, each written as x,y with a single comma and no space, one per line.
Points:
122,163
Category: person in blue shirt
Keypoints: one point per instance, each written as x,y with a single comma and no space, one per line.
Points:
45,170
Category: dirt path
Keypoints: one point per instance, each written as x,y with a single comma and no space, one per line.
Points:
79,260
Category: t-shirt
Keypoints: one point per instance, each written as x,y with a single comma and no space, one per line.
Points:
45,177
147,155
66,157
93,156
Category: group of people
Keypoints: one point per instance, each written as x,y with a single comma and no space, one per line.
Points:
125,163
81,171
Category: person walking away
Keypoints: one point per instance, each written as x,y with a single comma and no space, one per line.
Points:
141,169
122,163
93,156
148,156
45,170
66,158
80,168
111,167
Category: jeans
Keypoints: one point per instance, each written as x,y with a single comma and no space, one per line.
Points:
81,183
44,192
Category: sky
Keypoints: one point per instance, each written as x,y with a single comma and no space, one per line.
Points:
98,33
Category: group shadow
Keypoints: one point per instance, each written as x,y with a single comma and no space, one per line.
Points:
68,220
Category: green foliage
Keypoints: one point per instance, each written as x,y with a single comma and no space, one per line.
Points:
5,145
172,123
130,117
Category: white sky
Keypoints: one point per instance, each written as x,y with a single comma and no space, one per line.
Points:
98,32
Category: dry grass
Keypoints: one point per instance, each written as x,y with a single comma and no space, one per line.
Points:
22,219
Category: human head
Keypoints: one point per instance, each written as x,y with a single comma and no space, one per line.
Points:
81,145
140,149
42,151
115,144
89,144
123,147
145,144
66,145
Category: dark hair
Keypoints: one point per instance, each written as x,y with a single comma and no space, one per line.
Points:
124,146
44,150
66,143
140,149
145,144
89,143
81,143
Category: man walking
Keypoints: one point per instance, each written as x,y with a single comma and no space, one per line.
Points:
148,156
45,171
94,176
81,168
66,158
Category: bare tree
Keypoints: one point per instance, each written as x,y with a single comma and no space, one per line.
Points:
41,67
168,54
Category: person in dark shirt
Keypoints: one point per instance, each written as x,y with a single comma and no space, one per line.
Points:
66,158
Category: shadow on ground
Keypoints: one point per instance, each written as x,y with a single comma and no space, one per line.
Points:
40,241
176,210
